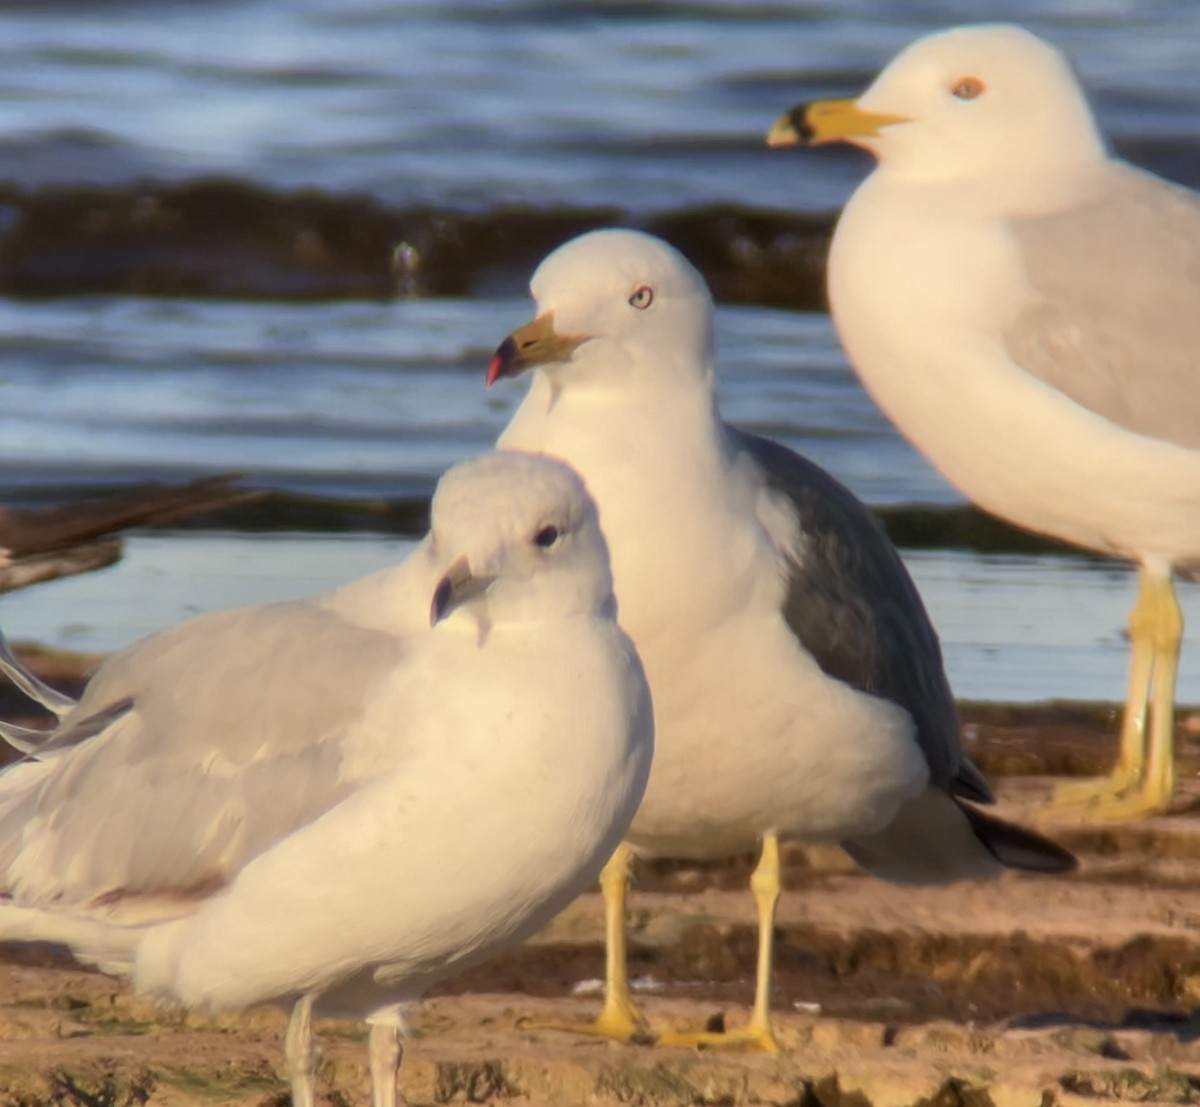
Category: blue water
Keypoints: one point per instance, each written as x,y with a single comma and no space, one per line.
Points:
360,397
649,107
1018,629
645,105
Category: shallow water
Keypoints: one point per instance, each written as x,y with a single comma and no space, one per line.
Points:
1019,629
648,107
359,397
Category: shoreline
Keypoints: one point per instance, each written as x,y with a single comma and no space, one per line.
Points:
1024,990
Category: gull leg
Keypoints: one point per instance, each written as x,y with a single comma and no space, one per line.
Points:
1131,756
757,1034
1159,781
299,1052
1144,778
1152,793
620,1019
385,1048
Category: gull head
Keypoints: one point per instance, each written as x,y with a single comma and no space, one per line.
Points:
515,538
963,104
615,309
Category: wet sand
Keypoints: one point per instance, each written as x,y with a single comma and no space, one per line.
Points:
1024,990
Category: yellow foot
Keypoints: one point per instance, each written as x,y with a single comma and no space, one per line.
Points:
1106,802
613,1023
1073,793
755,1038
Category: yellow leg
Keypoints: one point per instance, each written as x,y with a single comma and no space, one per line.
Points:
1143,779
1159,784
1131,754
1152,793
619,1019
764,884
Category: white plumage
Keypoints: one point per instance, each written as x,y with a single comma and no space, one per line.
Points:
342,800
1023,306
798,685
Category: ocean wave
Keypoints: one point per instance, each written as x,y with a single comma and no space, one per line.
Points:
237,240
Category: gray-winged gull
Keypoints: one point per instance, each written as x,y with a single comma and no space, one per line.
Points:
1026,308
797,682
336,802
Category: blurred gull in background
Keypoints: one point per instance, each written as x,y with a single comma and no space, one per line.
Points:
1026,308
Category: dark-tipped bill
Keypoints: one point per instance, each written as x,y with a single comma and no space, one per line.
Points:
454,589
822,121
536,343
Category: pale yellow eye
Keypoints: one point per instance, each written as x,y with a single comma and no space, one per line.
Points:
641,297
967,88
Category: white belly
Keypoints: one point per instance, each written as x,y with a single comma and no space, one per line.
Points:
750,735
920,306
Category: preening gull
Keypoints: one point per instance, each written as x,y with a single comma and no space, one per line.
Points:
336,802
1026,308
797,682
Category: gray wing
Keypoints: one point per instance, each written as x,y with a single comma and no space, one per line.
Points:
855,609
1115,319
190,753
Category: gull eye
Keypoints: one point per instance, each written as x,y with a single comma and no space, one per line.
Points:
967,88
547,537
642,297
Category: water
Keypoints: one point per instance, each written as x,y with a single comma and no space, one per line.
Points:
356,398
1013,629
646,105
650,107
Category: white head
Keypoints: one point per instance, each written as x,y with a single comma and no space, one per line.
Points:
516,538
966,103
615,308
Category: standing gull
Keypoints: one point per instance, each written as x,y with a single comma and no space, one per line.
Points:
1026,308
337,802
798,684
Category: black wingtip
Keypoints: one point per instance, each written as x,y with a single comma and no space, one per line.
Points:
1015,847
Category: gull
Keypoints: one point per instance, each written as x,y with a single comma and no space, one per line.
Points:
798,685
1023,306
44,544
336,802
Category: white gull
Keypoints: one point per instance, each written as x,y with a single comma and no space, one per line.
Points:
336,802
797,682
1025,307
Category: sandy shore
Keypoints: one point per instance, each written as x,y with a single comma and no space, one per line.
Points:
1022,991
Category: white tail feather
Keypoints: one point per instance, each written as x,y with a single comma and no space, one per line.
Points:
109,948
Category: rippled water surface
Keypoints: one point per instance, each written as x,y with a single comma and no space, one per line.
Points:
640,104
651,107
